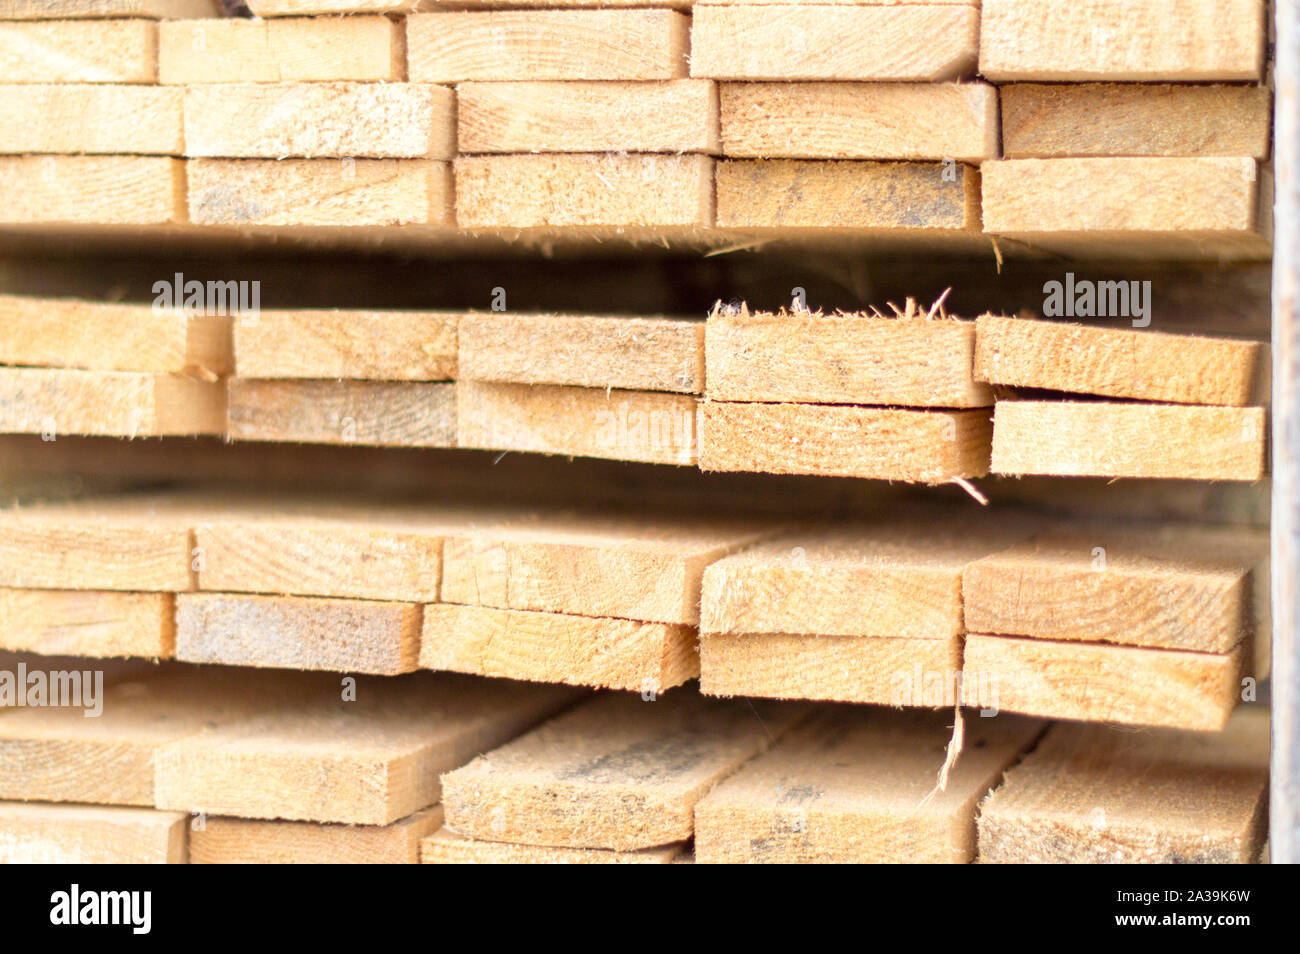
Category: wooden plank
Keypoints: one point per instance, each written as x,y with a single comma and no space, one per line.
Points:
314,120
617,772
325,49
460,46
250,841
79,51
578,116
1113,362
583,189
649,426
276,8
445,847
856,785
104,190
1144,40
298,632
91,118
103,9
1106,439
784,193
556,647
1042,120
319,191
843,358
384,414
1092,794
344,343
591,351
371,761
860,120
643,567
87,623
844,441
924,42
43,834
1098,682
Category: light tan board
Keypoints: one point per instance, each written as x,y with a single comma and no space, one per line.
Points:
79,51
104,190
225,841
1092,794
1112,362
317,49
584,189
90,118
97,9
275,8
352,192
1095,682
397,414
1146,40
56,402
460,46
929,447
298,632
369,345
43,834
556,647
87,623
68,333
445,847
854,358
647,354
647,426
1138,119
368,762
857,785
860,121
642,567
579,116
617,773
883,196
1105,439
926,41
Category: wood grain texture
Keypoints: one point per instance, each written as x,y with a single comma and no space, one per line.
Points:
1093,794
1144,40
859,120
844,441
856,785
784,193
584,189
272,8
913,42
582,116
445,847
384,414
1043,120
87,623
79,51
617,772
44,834
649,426
103,9
646,354
1142,365
343,343
842,358
91,118
105,190
555,647
460,46
1106,439
112,403
250,841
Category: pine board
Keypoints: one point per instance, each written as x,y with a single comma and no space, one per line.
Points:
103,9
110,403
248,841
445,847
44,834
94,623
99,190
91,118
79,51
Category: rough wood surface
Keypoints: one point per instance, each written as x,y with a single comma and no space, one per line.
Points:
79,51
445,847
1109,439
44,834
844,441
386,414
1142,365
113,403
1093,794
87,623
91,118
104,9
244,841
103,190
857,785
619,772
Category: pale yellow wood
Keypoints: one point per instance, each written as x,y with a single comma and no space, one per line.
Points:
104,190
445,847
1182,40
275,8
44,834
248,841
87,623
99,9
454,47
91,118
1111,439
55,402
79,51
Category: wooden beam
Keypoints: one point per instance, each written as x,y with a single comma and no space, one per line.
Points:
91,118
101,190
87,623
445,847
79,51
113,403
43,834
250,841
384,414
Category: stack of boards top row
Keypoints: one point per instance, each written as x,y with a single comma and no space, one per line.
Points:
1116,126
916,395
